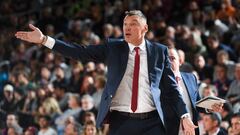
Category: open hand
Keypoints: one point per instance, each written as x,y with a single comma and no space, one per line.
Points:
188,126
34,36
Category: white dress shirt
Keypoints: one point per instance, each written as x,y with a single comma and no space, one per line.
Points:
183,91
122,99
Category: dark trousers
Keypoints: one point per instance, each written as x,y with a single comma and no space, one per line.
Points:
125,125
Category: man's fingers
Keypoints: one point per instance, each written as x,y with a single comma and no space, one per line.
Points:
32,27
21,35
217,107
189,132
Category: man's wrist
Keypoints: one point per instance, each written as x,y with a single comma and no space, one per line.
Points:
184,116
44,39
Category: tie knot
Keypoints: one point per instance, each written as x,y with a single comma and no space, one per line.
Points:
178,79
136,49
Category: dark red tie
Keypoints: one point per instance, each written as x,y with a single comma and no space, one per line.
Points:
135,80
178,79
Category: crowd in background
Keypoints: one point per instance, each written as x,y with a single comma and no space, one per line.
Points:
42,92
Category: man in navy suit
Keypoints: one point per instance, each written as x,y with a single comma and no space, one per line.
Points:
188,87
140,80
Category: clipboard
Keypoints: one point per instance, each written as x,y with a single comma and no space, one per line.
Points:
207,102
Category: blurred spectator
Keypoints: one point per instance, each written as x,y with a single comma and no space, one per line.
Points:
222,83
90,129
89,116
211,123
235,125
29,111
184,65
87,86
48,60
100,69
12,125
184,34
208,90
195,15
61,94
59,75
19,99
194,48
72,129
214,46
76,77
99,85
233,94
226,11
45,128
31,131
45,76
226,114
107,31
117,32
19,54
223,59
7,105
74,110
50,107
204,71
87,104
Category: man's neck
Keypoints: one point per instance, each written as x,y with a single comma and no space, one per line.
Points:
137,43
214,131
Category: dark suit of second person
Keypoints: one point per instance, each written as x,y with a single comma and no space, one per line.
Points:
188,86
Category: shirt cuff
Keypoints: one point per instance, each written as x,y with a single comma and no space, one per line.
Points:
186,115
50,42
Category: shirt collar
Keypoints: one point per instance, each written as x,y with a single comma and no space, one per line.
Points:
216,132
142,46
177,74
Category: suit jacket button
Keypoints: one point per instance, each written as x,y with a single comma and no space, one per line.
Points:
110,96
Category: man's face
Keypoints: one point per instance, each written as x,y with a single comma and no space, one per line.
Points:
220,72
174,59
11,120
43,123
213,44
235,125
199,62
208,123
134,28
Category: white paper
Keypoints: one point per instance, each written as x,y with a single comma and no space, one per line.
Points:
207,102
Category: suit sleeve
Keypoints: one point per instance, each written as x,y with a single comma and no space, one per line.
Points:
96,53
169,87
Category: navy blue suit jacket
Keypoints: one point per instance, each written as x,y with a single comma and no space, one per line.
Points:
191,84
114,53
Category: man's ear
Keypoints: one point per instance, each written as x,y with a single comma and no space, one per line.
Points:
145,28
180,62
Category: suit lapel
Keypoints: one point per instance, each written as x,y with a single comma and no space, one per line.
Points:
188,87
150,58
124,57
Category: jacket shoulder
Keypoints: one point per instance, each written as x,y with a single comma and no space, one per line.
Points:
114,41
188,74
158,45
